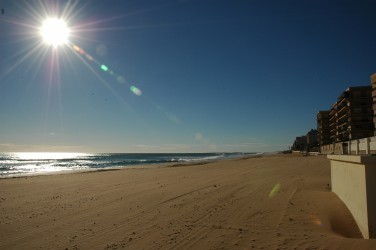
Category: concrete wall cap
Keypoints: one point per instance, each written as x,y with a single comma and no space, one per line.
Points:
362,159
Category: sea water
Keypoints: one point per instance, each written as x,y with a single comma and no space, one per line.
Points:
24,164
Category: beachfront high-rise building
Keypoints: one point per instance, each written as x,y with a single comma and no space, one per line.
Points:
373,83
323,129
333,123
354,114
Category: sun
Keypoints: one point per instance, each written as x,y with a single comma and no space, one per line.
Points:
54,32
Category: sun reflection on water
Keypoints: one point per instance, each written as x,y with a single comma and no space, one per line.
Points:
47,155
30,163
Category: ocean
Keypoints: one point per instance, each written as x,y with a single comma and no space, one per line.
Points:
26,164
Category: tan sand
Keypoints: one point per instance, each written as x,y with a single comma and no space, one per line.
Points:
278,202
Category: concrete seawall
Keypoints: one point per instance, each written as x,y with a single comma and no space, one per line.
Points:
363,146
353,180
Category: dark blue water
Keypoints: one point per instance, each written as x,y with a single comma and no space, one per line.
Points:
21,164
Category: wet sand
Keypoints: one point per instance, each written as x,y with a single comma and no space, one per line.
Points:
273,202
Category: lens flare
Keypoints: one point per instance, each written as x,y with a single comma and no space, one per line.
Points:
275,190
315,220
198,136
104,67
78,49
136,91
89,57
120,79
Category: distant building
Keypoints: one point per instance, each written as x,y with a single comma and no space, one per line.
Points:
300,143
373,83
351,117
323,128
312,138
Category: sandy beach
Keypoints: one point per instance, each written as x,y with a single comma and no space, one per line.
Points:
271,202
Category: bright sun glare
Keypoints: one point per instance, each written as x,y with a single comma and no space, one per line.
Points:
54,32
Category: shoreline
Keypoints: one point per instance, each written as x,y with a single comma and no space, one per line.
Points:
271,202
132,166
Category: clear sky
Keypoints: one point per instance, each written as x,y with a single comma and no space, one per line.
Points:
207,75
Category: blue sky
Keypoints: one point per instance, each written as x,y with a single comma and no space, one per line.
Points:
215,75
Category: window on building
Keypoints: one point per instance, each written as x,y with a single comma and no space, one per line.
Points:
357,110
357,94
